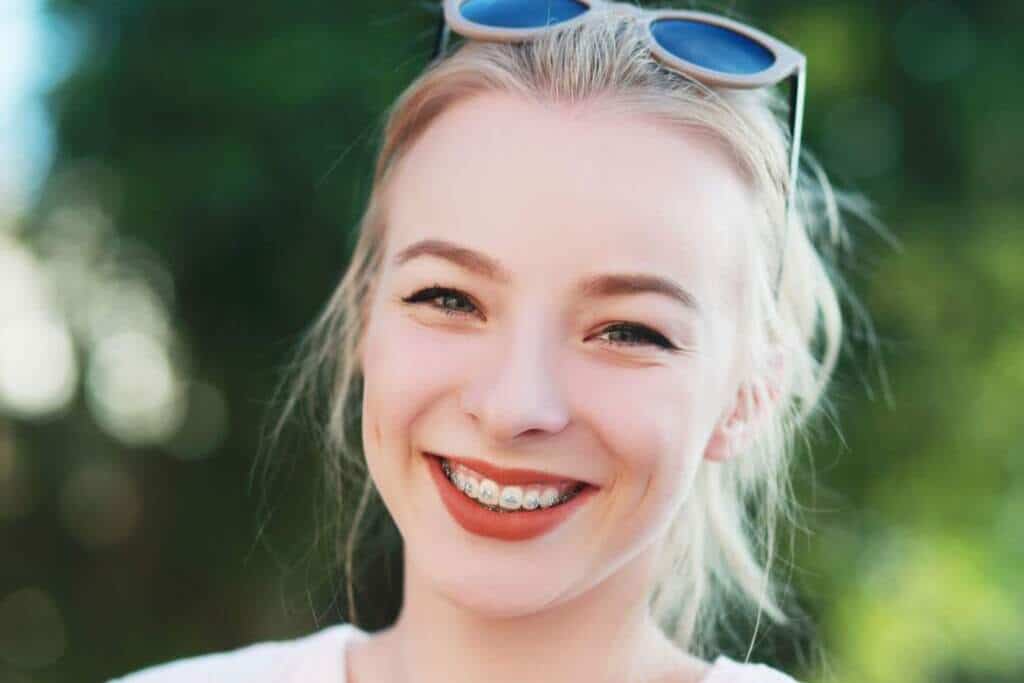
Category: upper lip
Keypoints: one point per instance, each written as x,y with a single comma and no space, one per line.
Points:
510,476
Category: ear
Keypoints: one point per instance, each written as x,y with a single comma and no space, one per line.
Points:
754,402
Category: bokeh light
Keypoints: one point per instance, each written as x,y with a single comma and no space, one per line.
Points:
38,370
133,389
125,305
100,503
23,282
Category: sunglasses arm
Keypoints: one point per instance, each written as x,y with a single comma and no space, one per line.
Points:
796,123
441,41
797,90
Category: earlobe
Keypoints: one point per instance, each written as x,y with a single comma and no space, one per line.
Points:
735,432
727,440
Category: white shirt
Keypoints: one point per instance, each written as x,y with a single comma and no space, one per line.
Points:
320,658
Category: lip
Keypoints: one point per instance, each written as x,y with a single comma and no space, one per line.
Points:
509,525
510,477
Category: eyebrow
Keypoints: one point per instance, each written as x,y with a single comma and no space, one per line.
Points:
606,285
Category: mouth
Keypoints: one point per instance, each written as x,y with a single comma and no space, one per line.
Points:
505,498
481,469
507,511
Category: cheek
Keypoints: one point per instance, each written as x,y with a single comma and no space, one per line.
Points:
651,424
652,421
406,370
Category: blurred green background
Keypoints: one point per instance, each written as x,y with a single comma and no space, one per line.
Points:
179,182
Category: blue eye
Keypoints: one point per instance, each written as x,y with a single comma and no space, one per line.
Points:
431,294
459,301
649,336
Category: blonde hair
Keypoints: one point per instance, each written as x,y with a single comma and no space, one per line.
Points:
722,544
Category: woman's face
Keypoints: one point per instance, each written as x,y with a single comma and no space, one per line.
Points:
519,364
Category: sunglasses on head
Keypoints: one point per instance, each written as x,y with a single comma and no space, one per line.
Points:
712,49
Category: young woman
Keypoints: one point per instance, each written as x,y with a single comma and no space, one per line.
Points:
583,322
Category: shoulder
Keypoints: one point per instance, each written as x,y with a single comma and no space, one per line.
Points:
725,670
280,661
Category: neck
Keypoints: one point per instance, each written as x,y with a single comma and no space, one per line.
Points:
603,635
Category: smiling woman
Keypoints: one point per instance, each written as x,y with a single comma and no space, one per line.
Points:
574,375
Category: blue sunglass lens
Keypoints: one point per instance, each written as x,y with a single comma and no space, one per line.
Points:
521,13
712,47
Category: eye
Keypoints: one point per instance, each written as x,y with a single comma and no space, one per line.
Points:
647,336
454,303
444,295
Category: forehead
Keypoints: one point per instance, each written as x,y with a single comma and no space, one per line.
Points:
559,191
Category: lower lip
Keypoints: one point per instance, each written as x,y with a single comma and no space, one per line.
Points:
509,525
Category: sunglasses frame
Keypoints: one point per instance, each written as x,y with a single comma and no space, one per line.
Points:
790,64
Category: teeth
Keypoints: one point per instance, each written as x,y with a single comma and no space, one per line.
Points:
511,498
491,494
488,492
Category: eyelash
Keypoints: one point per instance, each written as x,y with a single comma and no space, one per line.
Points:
437,292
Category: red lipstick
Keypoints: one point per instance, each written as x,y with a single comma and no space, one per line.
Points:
506,525
511,476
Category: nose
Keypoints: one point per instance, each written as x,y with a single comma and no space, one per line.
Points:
519,394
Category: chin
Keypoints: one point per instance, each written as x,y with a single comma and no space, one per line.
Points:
498,599
488,589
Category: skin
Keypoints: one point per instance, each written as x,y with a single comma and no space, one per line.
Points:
525,373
